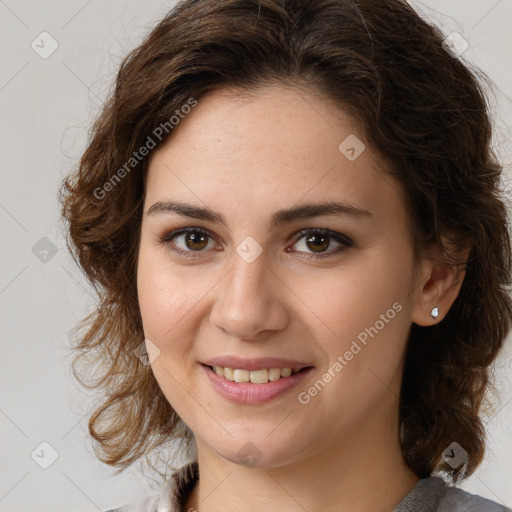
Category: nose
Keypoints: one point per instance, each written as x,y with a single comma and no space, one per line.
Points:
249,300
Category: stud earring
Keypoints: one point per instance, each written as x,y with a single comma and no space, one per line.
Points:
435,312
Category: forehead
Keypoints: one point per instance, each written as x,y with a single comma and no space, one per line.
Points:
275,146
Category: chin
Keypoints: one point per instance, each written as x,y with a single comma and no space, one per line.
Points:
256,452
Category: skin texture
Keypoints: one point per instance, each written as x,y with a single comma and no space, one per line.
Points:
248,156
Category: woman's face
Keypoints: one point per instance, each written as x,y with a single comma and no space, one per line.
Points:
252,277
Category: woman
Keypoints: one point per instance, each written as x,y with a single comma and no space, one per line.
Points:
292,215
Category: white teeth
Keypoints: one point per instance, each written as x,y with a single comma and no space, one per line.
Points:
228,373
259,376
255,376
286,372
241,375
274,374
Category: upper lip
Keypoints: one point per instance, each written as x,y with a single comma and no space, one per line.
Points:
254,363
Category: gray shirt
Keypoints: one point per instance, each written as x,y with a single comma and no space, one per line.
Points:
428,495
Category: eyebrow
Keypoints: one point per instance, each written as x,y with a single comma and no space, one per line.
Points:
304,211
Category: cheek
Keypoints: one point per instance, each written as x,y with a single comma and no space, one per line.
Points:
166,303
164,294
162,298
368,312
171,302
353,301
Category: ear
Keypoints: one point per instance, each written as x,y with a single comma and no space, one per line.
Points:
438,285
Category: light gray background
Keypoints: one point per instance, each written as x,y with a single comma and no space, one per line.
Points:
47,106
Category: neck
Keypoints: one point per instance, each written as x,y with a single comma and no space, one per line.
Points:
361,471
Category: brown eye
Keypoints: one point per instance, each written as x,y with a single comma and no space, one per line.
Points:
315,242
195,240
188,241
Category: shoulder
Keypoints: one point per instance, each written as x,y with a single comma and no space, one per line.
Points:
433,494
172,495
456,499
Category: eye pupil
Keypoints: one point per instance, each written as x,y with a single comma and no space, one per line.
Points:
322,246
197,239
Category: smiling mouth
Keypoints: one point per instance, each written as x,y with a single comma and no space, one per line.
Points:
261,376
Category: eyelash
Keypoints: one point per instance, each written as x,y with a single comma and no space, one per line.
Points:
166,238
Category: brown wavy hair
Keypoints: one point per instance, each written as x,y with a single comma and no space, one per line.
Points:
418,105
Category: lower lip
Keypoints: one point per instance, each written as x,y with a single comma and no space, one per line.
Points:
249,393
